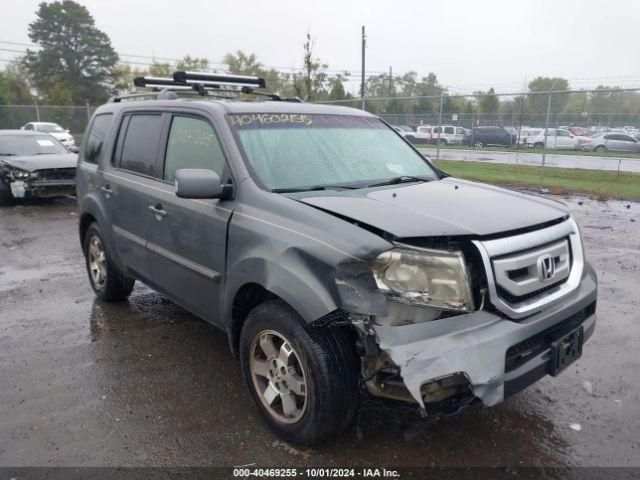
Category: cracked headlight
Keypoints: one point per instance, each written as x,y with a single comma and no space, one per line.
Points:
434,278
20,174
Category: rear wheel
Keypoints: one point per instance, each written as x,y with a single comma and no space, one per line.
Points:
600,148
304,381
478,144
443,141
538,145
107,280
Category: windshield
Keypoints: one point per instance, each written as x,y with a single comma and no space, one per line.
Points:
15,145
49,128
293,151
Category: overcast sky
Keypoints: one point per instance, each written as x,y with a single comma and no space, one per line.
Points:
469,44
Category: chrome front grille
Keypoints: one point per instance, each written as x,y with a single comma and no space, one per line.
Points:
529,272
523,273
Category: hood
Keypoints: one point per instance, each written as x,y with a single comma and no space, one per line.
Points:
440,208
31,163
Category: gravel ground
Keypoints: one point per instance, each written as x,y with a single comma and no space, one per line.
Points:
83,383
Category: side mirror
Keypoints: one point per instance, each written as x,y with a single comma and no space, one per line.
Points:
198,183
74,149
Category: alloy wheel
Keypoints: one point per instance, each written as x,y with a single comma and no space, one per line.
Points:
278,376
97,263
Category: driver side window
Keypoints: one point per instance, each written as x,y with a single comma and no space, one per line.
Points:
192,143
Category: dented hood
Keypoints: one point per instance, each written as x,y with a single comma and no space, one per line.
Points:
31,163
438,208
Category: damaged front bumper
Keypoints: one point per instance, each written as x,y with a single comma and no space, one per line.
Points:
496,355
42,188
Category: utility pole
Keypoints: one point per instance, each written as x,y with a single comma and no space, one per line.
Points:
362,84
390,81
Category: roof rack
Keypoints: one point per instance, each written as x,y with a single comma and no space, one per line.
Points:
200,83
193,77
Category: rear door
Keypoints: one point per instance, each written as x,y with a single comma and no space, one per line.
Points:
129,183
187,238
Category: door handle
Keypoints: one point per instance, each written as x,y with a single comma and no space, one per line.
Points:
158,211
106,189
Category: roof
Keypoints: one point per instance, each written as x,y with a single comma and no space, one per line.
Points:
43,123
238,106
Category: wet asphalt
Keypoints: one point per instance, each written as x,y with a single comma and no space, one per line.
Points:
144,383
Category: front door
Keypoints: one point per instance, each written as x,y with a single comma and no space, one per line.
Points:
187,238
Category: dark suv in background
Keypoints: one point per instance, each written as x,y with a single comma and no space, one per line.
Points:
336,258
490,136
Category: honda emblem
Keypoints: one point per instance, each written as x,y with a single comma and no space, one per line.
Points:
546,267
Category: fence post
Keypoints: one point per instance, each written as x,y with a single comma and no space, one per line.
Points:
37,112
439,129
88,113
544,147
473,127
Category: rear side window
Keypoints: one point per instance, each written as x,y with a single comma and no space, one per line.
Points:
448,130
192,143
96,136
138,150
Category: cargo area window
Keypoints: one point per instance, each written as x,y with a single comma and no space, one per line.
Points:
95,138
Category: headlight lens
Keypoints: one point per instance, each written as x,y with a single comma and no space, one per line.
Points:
434,278
21,174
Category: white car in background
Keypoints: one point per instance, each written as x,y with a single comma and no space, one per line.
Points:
526,132
447,134
557,138
53,129
420,135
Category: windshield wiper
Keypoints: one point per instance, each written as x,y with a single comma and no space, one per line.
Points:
400,179
314,188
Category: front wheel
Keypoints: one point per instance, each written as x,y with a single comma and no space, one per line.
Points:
600,148
107,280
304,381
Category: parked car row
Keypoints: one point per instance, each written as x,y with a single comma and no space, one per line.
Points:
571,138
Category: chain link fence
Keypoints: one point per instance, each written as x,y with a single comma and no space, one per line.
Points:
582,141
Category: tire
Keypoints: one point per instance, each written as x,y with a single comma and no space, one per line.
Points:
478,145
410,139
106,279
538,145
320,361
600,148
442,141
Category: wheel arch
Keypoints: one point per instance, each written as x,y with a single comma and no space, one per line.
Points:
299,288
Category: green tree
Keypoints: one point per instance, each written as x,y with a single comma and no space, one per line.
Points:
537,104
336,87
489,102
193,64
310,84
74,55
14,90
160,69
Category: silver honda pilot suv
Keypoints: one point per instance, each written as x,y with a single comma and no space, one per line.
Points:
339,261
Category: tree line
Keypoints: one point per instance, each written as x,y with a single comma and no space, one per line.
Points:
75,64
